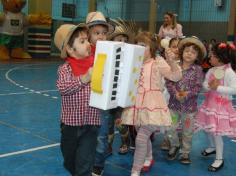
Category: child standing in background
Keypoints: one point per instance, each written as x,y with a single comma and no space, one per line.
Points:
217,115
79,121
99,28
124,32
150,110
183,97
173,45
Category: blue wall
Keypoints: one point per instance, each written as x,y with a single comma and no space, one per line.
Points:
203,10
81,9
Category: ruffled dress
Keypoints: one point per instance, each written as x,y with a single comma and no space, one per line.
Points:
150,105
217,114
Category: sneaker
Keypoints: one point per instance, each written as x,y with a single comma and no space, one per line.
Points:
184,158
97,171
172,154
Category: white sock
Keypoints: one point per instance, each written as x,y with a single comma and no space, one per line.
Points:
210,149
217,163
219,147
147,162
135,173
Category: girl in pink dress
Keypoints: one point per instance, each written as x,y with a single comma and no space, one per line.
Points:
217,115
150,110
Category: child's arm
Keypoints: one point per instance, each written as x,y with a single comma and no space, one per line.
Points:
230,83
206,80
172,71
67,83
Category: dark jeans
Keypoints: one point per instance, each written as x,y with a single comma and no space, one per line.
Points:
78,146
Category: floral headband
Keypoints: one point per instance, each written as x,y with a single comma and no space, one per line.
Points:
224,45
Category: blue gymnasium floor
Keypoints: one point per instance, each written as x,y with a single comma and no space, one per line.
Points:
29,128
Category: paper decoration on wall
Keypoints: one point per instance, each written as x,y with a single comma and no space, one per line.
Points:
115,75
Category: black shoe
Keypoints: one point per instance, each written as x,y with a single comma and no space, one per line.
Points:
172,153
97,171
205,153
185,159
215,169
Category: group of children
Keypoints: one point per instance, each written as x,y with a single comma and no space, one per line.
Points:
87,133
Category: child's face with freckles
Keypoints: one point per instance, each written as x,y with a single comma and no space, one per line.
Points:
96,33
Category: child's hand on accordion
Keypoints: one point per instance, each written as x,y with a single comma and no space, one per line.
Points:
87,76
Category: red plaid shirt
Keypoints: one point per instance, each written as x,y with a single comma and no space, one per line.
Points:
75,99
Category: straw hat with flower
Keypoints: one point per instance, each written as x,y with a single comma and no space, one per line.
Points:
97,18
195,40
63,34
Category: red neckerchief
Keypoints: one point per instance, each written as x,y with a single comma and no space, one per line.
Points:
93,49
80,66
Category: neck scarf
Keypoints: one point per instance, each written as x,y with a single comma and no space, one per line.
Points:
80,66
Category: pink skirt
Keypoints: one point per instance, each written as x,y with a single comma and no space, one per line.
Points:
217,116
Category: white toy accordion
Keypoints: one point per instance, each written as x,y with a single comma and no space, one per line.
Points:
116,72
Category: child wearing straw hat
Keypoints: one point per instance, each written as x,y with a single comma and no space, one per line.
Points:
79,121
99,29
124,32
183,97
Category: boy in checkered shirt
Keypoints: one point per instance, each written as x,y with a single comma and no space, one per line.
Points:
79,121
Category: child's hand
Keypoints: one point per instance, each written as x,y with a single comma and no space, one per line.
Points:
170,55
87,76
213,84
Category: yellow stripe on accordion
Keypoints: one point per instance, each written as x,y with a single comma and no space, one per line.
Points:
98,69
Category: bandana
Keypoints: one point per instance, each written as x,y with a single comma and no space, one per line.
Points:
80,66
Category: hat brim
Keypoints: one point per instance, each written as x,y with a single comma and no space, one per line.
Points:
195,41
114,34
111,27
63,51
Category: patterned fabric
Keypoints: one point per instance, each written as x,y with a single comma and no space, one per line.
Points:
186,122
170,33
143,146
75,99
150,105
217,115
191,82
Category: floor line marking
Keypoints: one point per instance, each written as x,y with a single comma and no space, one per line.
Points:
29,150
19,93
25,131
233,140
21,86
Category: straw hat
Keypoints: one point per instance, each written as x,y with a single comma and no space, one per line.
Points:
123,28
195,40
95,18
63,35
